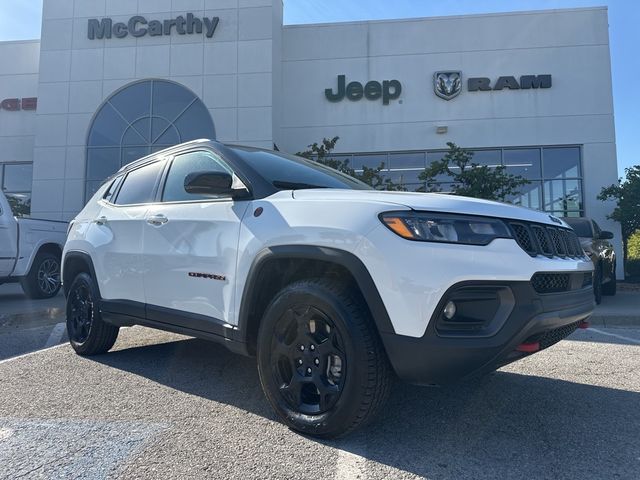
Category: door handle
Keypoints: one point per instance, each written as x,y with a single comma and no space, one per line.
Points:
157,220
100,220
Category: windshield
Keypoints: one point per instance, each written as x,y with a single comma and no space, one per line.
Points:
288,172
581,226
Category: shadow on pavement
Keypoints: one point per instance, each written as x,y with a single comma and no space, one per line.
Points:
505,425
197,367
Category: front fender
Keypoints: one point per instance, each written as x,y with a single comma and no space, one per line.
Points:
310,252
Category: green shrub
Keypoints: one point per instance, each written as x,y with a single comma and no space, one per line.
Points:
633,246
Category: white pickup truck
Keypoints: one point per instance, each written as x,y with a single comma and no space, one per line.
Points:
30,252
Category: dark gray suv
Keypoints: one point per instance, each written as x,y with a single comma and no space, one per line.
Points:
595,242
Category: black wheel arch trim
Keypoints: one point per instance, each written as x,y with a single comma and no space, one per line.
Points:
84,257
311,252
303,252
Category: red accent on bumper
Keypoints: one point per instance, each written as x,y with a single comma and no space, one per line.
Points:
584,324
528,347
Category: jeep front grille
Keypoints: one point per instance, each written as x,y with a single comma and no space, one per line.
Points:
544,242
557,282
551,282
538,239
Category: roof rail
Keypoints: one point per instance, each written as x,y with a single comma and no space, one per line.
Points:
147,158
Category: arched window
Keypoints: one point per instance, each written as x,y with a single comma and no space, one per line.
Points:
139,119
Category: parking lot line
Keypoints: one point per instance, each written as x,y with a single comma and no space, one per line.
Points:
56,335
621,337
18,357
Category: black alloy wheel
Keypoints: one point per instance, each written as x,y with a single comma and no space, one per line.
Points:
321,362
88,333
597,286
81,313
308,360
611,286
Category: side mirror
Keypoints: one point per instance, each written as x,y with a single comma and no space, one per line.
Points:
209,183
605,235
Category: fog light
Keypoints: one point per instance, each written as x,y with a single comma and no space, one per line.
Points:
449,310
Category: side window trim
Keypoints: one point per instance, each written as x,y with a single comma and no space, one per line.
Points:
115,198
162,178
117,192
114,195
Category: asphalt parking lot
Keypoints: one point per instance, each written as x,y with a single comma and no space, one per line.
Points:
28,325
165,406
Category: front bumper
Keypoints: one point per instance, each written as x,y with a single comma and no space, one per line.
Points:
443,357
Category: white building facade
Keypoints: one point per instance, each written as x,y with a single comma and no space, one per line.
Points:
118,79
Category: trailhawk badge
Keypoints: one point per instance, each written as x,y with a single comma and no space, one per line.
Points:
447,85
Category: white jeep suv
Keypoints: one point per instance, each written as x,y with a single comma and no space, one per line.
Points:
333,286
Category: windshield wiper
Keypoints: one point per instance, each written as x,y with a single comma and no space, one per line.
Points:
294,185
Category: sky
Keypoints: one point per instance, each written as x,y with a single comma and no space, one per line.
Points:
21,20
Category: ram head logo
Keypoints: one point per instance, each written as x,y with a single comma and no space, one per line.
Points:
447,85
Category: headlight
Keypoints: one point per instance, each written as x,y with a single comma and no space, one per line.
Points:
445,227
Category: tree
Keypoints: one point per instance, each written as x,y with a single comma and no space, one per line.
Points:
19,207
321,153
632,265
633,247
627,196
471,179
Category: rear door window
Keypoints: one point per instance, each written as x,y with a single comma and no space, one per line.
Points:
140,185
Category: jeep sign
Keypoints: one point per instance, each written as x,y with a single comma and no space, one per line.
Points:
387,90
138,26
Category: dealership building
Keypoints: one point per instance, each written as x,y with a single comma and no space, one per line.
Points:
113,80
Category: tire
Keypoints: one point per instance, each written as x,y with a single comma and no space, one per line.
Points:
341,378
609,289
43,279
597,286
88,333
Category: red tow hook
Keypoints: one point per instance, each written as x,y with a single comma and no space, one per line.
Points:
584,324
528,347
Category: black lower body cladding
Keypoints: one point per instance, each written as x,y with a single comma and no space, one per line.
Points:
441,358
